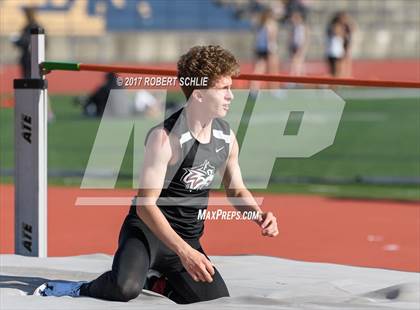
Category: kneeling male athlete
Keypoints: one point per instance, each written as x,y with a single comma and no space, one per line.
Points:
162,230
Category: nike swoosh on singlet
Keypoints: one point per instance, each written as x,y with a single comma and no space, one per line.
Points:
219,149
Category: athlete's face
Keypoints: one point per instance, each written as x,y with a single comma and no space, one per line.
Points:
217,99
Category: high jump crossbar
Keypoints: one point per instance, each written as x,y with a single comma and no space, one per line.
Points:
68,66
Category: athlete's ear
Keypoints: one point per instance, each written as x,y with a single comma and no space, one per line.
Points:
197,95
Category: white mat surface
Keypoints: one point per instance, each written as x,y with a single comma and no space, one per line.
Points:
254,282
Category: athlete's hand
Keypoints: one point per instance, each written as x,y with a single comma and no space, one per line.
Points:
197,265
268,224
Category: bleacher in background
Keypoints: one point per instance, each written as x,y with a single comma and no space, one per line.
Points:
172,15
153,31
124,15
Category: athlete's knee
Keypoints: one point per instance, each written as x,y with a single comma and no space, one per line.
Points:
200,295
219,292
127,290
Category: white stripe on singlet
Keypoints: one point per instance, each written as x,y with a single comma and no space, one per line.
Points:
185,137
220,135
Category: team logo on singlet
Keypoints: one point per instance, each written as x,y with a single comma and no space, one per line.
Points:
198,177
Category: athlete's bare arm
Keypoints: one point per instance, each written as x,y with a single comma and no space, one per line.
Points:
235,188
158,153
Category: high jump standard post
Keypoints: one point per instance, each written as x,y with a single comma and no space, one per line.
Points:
31,155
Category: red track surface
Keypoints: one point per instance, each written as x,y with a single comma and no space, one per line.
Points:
311,229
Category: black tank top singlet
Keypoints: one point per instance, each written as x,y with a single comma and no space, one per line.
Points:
188,182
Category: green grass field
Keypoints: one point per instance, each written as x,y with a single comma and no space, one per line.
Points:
377,138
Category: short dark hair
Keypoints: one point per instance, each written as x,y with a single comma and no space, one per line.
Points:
211,61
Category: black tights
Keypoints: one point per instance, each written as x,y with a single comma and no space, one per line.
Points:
138,251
